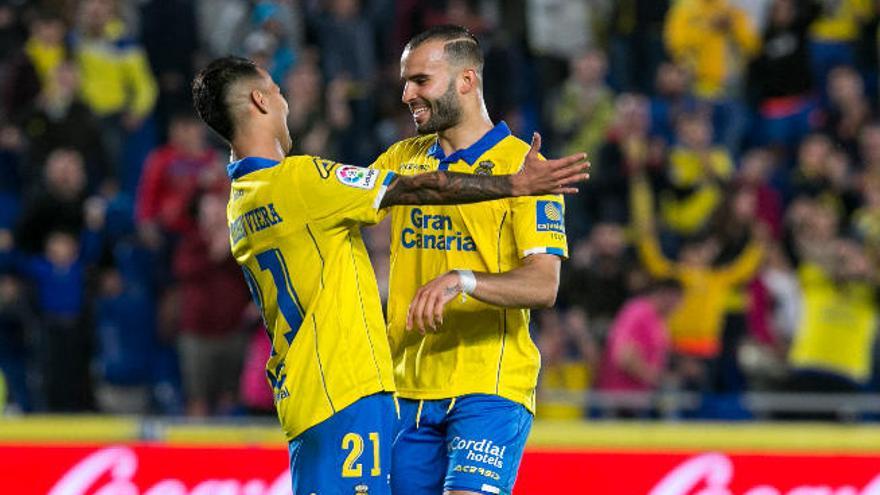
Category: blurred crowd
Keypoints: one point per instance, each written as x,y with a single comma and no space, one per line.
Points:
728,240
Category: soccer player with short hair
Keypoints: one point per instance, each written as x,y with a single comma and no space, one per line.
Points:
294,227
464,276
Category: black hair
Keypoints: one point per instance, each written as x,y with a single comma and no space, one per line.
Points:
461,46
210,90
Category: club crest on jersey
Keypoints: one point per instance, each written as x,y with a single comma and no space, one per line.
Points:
361,490
360,177
549,217
484,168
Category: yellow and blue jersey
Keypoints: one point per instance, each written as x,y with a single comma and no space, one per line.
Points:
295,230
480,348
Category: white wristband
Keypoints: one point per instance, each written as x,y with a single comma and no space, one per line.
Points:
467,280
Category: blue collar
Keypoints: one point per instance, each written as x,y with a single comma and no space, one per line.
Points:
474,151
249,164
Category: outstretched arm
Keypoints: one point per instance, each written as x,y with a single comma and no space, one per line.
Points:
535,178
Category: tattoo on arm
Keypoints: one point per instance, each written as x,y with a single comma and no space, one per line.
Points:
443,188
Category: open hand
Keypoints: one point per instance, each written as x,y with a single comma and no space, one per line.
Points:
538,176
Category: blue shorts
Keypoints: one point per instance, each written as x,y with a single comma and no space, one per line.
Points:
472,443
348,453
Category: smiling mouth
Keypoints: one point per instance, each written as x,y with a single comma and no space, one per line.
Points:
419,111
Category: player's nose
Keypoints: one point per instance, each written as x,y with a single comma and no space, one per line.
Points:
409,93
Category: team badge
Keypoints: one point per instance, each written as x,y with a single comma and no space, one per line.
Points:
360,177
484,168
549,217
361,490
325,167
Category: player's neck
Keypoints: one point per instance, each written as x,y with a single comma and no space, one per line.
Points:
250,144
466,133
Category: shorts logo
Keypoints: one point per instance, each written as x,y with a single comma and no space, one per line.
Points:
361,490
362,178
549,217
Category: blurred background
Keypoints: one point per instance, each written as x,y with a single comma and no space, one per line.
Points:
723,255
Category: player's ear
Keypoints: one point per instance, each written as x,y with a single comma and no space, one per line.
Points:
468,81
258,98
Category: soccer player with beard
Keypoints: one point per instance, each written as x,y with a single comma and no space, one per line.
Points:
464,277
294,227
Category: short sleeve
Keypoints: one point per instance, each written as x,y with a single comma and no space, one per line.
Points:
340,194
386,160
539,226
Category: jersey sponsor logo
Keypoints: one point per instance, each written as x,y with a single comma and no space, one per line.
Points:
434,232
484,168
325,167
414,167
549,217
362,178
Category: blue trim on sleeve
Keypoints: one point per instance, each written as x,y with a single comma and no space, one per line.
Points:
239,169
473,152
556,251
389,178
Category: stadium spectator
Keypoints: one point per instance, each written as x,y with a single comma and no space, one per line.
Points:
696,176
34,69
635,31
672,98
627,149
59,119
569,359
780,79
696,325
170,39
58,275
213,298
755,172
713,39
833,36
600,276
832,347
348,58
316,117
126,354
56,204
116,81
173,175
585,106
638,348
710,38
848,108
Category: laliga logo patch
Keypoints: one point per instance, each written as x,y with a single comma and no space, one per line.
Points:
549,217
484,168
362,178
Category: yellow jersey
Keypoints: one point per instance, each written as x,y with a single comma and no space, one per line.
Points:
294,228
838,326
480,348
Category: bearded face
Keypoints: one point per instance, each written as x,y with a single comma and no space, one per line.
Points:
437,115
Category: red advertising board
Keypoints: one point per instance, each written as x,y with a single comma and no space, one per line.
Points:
154,469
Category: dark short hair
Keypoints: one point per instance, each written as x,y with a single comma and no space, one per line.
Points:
461,46
210,90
